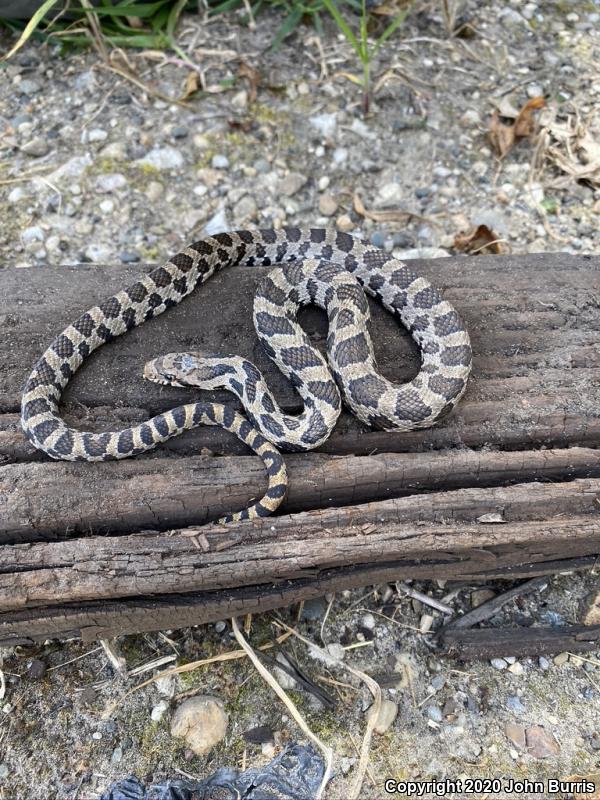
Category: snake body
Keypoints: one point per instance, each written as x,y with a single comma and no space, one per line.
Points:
322,263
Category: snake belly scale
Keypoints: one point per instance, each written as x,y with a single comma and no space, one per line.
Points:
324,267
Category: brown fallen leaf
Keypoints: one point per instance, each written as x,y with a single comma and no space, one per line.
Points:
503,137
192,85
525,123
478,240
253,77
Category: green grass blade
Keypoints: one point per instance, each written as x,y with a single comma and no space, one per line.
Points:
227,5
143,10
174,15
396,22
342,25
290,23
30,27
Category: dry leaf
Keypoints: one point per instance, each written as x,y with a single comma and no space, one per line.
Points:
349,76
525,123
478,240
253,76
503,136
192,85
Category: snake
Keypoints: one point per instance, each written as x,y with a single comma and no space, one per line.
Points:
325,267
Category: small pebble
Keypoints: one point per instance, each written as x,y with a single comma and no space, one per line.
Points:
36,668
514,704
543,663
115,151
291,184
217,223
97,135
32,234
36,147
385,718
327,205
324,123
219,161
202,721
129,257
517,668
16,194
111,182
117,755
159,710
378,239
340,155
220,626
180,132
344,223
107,206
163,158
434,713
498,663
368,621
28,86
561,659
262,166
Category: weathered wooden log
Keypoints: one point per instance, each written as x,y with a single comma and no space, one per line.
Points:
432,535
481,643
91,554
44,500
533,320
109,618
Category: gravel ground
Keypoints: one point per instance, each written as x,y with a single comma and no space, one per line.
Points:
94,168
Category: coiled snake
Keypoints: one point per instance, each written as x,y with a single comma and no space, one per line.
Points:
318,266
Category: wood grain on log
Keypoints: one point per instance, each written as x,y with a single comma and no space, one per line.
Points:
533,321
430,535
44,500
86,549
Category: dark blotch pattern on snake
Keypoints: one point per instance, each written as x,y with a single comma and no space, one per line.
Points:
318,266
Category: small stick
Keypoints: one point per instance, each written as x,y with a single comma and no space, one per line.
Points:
325,618
428,601
111,649
489,608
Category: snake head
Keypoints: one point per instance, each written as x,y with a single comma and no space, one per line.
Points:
188,369
167,370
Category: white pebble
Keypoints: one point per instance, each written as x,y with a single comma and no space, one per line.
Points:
32,234
97,135
219,161
158,711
